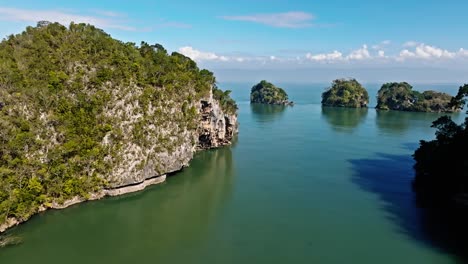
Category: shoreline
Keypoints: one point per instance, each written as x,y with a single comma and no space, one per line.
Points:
12,222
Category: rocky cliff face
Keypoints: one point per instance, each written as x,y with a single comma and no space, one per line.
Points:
217,128
142,162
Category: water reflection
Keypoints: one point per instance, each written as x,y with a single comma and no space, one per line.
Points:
399,121
441,229
173,217
266,112
344,119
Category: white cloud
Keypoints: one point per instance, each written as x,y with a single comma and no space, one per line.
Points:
101,18
412,56
197,55
28,15
335,55
281,20
463,52
360,54
423,51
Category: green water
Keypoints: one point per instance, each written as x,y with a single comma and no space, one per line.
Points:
300,185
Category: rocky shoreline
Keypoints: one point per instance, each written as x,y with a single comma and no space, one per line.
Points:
12,222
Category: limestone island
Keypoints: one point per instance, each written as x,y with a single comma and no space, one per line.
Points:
401,97
84,116
267,93
346,93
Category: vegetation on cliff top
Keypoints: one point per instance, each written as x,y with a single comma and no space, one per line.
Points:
57,86
442,164
345,93
400,96
267,93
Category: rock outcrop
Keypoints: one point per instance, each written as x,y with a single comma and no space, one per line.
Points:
267,93
346,93
401,97
217,128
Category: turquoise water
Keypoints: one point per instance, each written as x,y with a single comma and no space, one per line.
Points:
300,185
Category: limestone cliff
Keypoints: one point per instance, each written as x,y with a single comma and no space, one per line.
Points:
83,116
217,128
214,129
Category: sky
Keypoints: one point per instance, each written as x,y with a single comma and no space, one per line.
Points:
288,41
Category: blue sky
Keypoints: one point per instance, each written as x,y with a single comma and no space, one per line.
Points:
258,37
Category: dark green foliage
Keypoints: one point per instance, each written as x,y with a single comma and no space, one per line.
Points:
400,96
442,164
267,93
56,84
227,103
345,93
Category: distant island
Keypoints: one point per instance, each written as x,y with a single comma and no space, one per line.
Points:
401,97
267,93
346,93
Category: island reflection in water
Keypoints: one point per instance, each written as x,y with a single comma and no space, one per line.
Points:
267,112
344,119
391,122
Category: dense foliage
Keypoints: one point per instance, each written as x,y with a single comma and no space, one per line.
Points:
345,93
267,93
223,97
400,96
57,88
442,164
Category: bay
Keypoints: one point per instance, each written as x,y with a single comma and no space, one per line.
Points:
301,184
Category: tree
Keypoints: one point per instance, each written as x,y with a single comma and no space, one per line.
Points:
442,164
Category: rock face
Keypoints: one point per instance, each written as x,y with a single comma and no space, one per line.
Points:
346,93
217,128
267,93
401,97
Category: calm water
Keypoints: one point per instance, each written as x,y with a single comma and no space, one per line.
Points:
300,185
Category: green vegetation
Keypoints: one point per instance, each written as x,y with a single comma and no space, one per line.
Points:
227,103
345,93
400,96
64,93
267,93
442,164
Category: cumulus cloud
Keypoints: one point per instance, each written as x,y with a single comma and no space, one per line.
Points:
423,51
335,55
197,55
363,55
463,52
281,20
360,54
